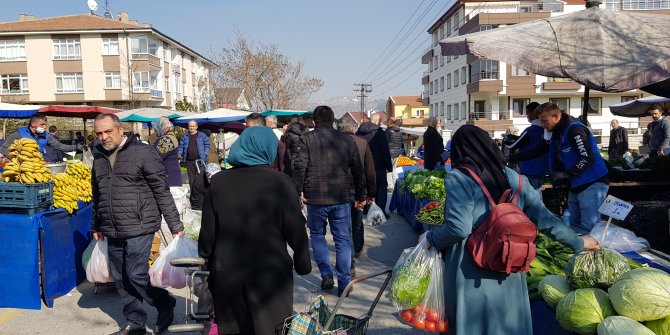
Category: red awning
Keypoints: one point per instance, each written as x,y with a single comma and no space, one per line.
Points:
83,111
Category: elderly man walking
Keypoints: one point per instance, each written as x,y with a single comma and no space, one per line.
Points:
325,161
131,194
379,146
193,146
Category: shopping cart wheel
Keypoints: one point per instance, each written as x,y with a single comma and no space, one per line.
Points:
187,262
186,328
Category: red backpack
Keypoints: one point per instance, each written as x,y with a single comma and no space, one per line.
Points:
505,241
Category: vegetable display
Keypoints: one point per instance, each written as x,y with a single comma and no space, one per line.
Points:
553,288
596,268
551,257
642,294
621,325
405,161
432,213
424,184
582,310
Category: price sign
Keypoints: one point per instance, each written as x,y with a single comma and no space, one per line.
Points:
615,208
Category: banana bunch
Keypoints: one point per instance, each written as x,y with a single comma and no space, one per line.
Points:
81,175
66,192
26,163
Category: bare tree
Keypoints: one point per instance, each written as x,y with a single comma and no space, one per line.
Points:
270,80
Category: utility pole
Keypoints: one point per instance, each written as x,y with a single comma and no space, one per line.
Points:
362,93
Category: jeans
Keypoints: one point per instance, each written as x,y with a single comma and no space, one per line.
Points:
382,189
339,218
536,182
129,267
584,206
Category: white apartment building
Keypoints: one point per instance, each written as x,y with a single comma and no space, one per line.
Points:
493,95
88,59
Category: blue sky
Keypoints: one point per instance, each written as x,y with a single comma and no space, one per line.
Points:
340,41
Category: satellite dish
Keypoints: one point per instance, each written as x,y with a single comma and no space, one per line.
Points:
92,5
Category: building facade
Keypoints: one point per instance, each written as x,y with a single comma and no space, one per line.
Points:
409,110
493,95
88,59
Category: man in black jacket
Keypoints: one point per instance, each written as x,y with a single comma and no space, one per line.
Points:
381,154
433,145
130,193
325,160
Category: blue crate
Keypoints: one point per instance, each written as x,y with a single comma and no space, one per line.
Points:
25,196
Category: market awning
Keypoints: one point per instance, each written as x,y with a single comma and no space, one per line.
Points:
148,114
282,112
17,111
639,107
218,115
83,111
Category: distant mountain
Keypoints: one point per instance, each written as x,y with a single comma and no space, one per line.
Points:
342,104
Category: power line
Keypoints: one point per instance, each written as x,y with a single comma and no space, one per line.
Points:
365,88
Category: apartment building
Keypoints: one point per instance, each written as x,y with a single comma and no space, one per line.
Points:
493,95
88,59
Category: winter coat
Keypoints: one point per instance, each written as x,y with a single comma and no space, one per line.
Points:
249,216
167,149
325,160
433,148
130,198
291,140
203,146
379,145
368,166
482,301
396,145
618,143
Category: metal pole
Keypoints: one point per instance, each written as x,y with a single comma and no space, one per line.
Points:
585,107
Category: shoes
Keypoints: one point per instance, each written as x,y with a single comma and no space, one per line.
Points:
131,330
339,293
352,271
357,254
327,282
165,316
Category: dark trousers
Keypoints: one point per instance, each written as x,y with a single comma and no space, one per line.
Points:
129,266
357,235
382,188
192,170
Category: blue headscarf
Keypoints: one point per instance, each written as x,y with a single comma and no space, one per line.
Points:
256,146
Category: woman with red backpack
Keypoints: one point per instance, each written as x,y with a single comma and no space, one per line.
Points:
484,295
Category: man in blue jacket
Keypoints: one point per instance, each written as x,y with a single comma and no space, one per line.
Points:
36,129
193,146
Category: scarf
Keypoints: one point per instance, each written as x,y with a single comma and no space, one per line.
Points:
255,146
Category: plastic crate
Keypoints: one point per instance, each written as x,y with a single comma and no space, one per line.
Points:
25,196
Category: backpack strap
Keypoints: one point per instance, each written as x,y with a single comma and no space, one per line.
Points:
481,185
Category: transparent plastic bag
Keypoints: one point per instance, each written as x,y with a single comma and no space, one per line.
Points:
618,239
417,288
375,216
192,220
97,268
596,269
87,157
162,274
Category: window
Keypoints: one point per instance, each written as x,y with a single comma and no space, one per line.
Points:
464,75
519,72
562,103
449,81
177,83
448,112
435,38
112,80
436,87
441,61
594,106
463,111
166,53
110,46
12,50
455,110
441,32
144,81
442,108
442,84
448,27
519,106
67,49
69,83
14,83
448,59
628,98
483,69
143,45
431,87
456,22
457,78
431,65
167,84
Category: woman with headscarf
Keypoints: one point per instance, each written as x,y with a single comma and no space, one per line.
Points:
480,301
249,215
167,146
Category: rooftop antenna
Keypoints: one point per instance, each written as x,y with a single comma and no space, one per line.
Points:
92,5
108,14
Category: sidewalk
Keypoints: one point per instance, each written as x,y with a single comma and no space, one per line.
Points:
83,312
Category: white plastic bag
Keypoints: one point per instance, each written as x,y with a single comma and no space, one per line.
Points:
87,157
180,195
618,239
375,216
97,269
162,274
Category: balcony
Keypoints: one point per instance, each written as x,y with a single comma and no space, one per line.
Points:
513,16
560,84
425,80
485,82
151,59
425,59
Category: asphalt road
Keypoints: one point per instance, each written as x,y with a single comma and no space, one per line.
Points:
82,311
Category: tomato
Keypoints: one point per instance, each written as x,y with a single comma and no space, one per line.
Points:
432,315
442,326
431,326
406,316
419,310
419,323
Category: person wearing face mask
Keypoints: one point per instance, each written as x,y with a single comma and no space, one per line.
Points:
37,130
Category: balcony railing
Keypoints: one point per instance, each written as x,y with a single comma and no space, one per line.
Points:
636,4
156,93
559,80
176,68
484,76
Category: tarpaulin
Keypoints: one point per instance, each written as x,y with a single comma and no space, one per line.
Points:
19,243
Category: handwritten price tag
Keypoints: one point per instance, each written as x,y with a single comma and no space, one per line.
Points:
615,208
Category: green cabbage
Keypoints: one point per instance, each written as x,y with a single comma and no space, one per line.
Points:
553,288
642,294
660,326
596,268
621,325
582,310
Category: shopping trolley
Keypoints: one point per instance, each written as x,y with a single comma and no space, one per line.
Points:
319,320
198,313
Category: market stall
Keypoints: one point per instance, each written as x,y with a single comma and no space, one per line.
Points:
407,199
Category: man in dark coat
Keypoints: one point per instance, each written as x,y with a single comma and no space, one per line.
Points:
325,161
348,126
618,141
130,194
433,145
379,146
